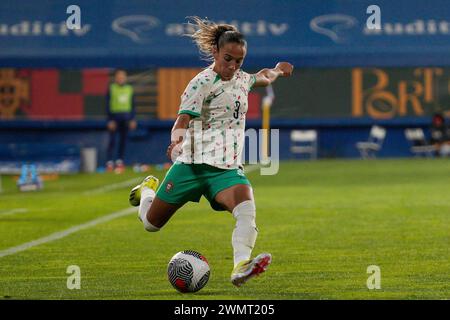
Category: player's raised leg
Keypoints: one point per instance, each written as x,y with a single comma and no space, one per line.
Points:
238,199
153,212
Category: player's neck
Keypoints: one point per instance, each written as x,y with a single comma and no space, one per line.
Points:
214,68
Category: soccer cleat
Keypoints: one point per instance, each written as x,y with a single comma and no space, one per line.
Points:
247,269
150,182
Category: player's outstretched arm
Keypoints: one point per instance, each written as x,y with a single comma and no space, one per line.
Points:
266,76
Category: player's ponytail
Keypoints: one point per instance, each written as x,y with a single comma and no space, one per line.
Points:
210,35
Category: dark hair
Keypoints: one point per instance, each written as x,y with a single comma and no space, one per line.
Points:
211,35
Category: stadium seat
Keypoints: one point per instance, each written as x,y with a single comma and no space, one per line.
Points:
368,149
419,145
304,142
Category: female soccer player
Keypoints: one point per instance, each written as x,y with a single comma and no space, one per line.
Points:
207,141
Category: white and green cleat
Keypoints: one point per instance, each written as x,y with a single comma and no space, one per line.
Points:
150,182
247,269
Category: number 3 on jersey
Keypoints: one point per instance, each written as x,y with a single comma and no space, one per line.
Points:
236,109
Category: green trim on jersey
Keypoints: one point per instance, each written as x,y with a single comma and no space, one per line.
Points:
217,78
192,113
188,182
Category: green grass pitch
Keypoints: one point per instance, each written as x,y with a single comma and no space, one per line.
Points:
324,222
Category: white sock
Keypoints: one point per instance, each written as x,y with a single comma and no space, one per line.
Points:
147,196
245,232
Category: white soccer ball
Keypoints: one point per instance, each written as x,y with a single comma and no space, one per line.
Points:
188,271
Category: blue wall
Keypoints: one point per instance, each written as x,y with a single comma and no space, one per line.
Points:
148,144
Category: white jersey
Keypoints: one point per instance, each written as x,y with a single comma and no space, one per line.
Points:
216,134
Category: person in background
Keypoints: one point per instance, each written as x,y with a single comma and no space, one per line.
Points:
121,118
438,131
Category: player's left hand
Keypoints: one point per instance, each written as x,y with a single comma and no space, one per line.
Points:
285,67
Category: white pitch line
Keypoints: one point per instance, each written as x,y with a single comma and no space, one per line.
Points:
113,186
65,233
92,223
13,211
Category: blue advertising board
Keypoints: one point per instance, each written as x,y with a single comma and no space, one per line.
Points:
150,33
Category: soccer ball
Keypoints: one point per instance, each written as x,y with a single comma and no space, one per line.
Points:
188,271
